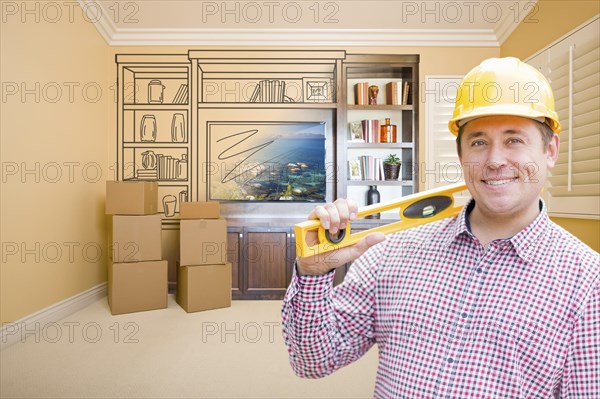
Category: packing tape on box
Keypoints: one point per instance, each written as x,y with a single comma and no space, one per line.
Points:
413,210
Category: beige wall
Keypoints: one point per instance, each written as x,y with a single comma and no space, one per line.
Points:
554,19
52,217
550,20
71,138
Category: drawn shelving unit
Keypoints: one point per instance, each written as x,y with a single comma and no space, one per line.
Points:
153,125
262,87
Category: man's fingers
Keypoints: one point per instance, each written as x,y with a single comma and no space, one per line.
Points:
320,213
334,218
322,263
352,209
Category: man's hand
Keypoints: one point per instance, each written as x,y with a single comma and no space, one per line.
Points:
335,217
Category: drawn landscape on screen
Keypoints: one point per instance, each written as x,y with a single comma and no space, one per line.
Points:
267,161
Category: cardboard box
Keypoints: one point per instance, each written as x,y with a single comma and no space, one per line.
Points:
131,198
136,238
203,287
137,286
200,210
203,241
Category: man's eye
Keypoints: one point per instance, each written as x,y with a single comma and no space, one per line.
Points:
514,141
477,143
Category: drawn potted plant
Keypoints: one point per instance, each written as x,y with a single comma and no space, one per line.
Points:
391,167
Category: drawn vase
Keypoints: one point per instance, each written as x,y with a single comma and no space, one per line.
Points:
178,131
148,129
373,197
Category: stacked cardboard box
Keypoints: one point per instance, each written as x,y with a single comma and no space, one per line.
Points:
137,275
203,274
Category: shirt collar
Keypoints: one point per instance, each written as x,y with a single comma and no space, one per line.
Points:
524,242
462,222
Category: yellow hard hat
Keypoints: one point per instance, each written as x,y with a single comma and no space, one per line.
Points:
504,86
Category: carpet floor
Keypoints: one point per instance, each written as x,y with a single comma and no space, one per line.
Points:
236,352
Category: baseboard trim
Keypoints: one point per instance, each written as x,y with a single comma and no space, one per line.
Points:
12,332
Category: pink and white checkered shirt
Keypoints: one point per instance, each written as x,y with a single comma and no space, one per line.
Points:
520,319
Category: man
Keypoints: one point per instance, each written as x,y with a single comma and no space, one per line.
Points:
498,302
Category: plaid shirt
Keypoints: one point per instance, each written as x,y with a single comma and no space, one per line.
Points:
520,319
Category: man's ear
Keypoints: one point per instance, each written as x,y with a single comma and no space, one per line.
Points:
552,153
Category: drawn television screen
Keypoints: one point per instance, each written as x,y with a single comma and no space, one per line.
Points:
266,161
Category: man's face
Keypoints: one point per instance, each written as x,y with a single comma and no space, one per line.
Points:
505,164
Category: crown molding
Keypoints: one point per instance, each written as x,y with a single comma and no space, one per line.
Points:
299,37
104,26
118,36
508,25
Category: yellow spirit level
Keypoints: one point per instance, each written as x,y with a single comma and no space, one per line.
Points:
416,209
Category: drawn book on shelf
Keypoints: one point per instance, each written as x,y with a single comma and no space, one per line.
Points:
167,168
182,95
270,91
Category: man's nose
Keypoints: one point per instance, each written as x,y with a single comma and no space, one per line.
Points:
496,157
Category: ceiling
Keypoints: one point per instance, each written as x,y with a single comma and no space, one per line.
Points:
307,22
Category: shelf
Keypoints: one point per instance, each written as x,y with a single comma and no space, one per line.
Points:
380,107
163,182
407,183
166,144
267,105
155,107
380,145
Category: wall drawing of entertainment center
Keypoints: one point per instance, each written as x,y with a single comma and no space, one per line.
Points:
253,126
268,133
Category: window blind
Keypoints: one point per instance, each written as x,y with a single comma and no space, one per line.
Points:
573,69
442,166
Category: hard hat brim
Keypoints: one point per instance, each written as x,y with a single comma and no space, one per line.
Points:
498,110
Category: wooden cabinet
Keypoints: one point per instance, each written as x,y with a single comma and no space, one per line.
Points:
234,251
262,261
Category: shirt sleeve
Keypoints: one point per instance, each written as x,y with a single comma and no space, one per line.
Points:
325,328
582,374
